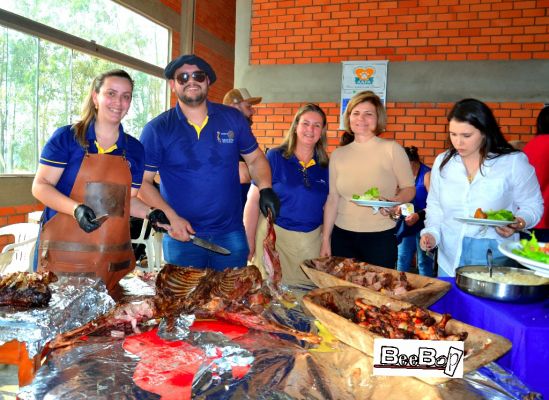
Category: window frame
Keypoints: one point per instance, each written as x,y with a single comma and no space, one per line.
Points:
28,26
44,32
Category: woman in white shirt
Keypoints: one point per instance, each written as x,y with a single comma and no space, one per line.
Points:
479,170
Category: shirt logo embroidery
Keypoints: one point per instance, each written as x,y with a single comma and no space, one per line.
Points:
225,137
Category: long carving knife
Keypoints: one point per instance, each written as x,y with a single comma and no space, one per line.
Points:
209,245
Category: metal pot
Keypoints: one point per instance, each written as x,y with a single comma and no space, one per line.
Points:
500,291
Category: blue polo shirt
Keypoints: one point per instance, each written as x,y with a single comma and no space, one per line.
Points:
63,151
301,198
199,175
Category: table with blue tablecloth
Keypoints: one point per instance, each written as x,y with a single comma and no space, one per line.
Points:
525,325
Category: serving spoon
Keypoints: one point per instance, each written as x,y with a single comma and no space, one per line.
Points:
489,258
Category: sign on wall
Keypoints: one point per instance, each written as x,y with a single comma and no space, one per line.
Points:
358,76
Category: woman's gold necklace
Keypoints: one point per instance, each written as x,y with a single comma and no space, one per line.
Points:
471,176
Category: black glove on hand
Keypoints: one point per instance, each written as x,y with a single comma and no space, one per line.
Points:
156,217
84,215
268,200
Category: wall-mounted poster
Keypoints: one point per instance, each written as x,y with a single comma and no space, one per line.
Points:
358,76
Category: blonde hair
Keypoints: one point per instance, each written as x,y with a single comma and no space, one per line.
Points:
363,97
290,141
89,112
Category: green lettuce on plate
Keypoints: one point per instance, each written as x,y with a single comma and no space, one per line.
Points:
370,194
531,249
500,215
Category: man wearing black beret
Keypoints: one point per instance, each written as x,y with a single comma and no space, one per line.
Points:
195,148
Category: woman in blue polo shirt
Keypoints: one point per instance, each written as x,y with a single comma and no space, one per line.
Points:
90,171
300,179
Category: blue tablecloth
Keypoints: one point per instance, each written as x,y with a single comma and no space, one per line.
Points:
525,325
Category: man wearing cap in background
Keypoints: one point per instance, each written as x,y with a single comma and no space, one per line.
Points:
195,148
241,100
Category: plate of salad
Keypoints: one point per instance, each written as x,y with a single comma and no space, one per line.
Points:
530,253
490,218
372,198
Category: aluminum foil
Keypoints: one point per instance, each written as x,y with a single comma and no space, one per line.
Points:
101,369
133,285
74,302
280,367
181,329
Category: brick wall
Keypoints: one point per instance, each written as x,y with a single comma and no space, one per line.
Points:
217,18
15,215
423,125
330,31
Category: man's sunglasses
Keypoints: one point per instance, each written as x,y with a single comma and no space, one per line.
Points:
184,77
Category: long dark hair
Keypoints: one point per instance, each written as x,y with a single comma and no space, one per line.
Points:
290,142
363,97
412,153
542,123
479,115
89,113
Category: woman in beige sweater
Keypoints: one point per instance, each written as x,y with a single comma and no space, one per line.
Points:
361,162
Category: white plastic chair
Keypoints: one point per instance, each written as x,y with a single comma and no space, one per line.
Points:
25,235
153,248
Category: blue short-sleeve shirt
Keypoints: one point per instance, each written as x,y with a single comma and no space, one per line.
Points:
302,194
63,151
199,175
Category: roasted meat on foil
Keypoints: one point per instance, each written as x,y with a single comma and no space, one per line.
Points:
26,289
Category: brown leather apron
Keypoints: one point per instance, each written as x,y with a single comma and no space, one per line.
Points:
104,184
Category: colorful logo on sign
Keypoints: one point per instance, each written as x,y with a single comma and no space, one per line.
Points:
364,76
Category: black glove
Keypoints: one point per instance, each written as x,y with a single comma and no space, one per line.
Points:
84,215
156,217
268,200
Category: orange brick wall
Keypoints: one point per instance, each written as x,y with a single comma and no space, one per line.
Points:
331,31
15,215
313,31
423,125
217,17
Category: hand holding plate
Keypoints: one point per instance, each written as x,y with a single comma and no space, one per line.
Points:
511,229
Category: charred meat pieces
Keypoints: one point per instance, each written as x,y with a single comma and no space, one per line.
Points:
26,289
